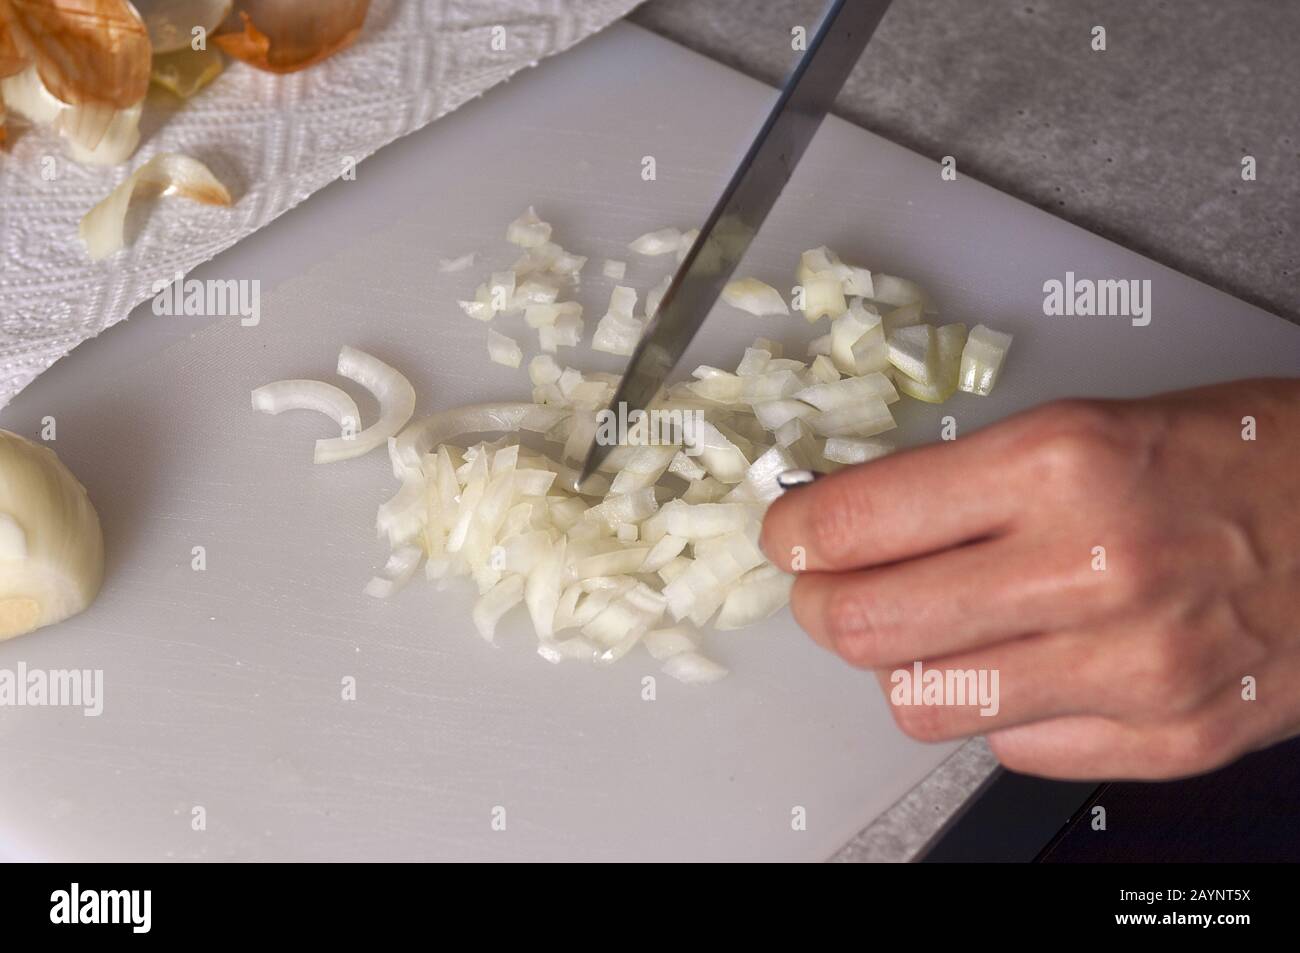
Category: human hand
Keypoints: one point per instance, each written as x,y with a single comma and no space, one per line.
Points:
1123,566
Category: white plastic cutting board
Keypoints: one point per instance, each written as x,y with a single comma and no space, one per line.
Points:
222,687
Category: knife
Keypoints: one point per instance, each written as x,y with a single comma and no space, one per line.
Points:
803,102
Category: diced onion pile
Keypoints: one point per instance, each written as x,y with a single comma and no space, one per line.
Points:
663,542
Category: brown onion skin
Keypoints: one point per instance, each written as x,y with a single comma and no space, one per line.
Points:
283,36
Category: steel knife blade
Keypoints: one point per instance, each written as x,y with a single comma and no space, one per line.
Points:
802,104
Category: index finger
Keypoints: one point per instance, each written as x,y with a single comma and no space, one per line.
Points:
900,506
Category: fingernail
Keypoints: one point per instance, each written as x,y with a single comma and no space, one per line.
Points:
790,479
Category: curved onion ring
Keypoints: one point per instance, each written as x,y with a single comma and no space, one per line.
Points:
279,396
396,399
423,435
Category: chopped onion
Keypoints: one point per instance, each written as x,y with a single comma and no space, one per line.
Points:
755,361
533,290
906,316
495,603
755,297
692,668
760,483
858,343
575,649
618,331
915,351
823,370
655,295
685,467
663,644
849,390
166,173
981,359
662,242
707,520
481,308
853,450
865,419
949,342
613,268
773,414
397,572
528,231
823,296
544,315
760,593
615,559
504,350
451,265
897,291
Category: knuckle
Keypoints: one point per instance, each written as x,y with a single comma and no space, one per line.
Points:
1164,663
853,625
836,520
1135,573
1196,746
1074,442
922,722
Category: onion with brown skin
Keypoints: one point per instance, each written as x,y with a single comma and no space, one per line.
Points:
282,36
88,52
11,60
92,57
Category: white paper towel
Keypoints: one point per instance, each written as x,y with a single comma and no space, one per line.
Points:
274,140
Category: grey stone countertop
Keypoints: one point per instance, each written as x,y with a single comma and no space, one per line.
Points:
1142,143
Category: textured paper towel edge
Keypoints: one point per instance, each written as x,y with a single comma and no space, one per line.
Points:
274,139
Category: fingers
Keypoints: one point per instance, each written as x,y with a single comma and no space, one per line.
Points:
903,505
1164,667
953,601
1093,747
1028,680
1119,673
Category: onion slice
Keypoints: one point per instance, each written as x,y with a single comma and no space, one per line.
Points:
423,435
755,297
167,173
664,241
333,402
981,360
396,399
397,572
